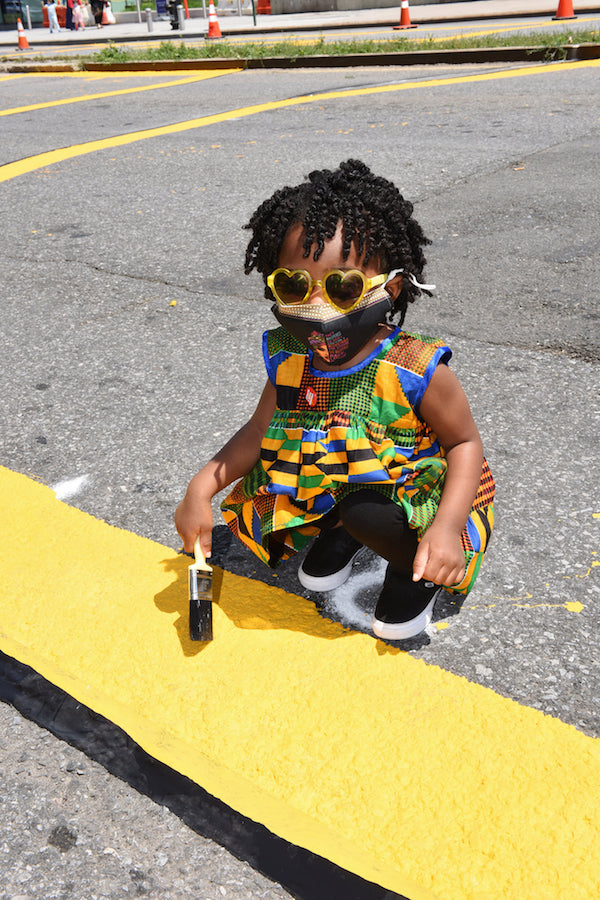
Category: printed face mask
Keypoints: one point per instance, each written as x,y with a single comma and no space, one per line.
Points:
334,336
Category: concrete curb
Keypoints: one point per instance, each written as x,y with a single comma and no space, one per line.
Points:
566,52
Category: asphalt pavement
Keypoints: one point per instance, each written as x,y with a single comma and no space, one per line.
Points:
124,302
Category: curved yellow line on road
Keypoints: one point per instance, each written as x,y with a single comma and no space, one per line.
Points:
429,30
31,163
483,32
202,76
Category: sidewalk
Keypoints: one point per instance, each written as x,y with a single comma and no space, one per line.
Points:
233,24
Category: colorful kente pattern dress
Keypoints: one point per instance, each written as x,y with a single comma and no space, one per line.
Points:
339,431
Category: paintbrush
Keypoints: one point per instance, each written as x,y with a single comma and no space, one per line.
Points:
200,577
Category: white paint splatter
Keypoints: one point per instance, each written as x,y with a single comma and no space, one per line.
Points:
64,490
342,600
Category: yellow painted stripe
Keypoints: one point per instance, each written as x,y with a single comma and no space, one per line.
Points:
96,76
396,770
63,49
116,93
30,164
413,36
505,29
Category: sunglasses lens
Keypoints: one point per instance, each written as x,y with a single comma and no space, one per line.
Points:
292,288
344,289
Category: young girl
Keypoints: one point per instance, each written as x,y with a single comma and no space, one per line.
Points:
78,20
52,16
362,435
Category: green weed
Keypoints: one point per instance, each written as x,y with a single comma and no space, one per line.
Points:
554,43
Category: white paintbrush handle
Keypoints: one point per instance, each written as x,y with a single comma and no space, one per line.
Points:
200,558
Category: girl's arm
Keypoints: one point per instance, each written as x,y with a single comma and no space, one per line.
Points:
445,408
193,516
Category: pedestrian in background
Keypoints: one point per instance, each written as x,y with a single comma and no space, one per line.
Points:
97,10
78,15
172,10
52,17
88,18
69,19
109,16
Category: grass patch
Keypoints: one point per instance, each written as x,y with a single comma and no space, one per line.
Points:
554,42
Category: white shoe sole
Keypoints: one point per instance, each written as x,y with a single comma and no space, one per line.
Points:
327,582
403,630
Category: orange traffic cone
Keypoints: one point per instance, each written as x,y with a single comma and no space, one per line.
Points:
264,7
23,42
213,23
404,17
565,10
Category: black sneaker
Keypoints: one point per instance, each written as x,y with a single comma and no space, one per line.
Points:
404,607
328,563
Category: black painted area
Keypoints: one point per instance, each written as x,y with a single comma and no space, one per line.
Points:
303,874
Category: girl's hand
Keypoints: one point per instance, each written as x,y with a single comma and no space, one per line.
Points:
439,557
193,518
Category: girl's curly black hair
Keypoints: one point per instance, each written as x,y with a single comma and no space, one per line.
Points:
375,218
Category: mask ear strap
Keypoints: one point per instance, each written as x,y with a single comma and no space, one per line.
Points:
392,275
428,288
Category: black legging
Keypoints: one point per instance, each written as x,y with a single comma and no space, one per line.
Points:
380,524
98,9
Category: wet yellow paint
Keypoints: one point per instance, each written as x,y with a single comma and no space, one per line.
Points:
394,769
65,101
